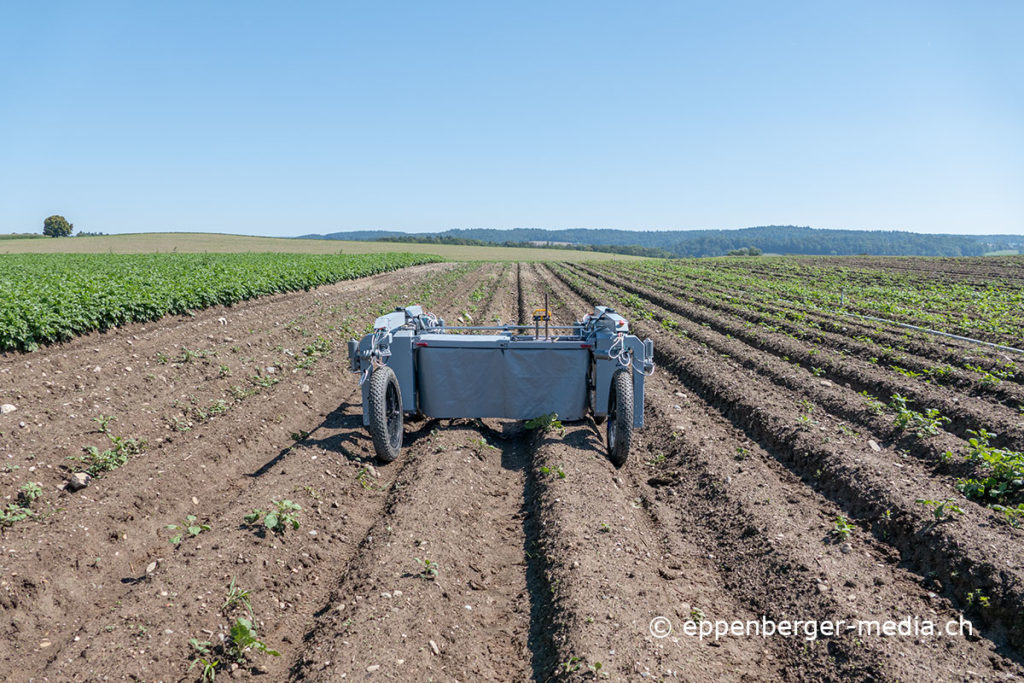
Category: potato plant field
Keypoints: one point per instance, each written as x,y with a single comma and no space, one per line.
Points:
190,493
54,297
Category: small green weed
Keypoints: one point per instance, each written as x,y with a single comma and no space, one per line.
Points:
942,509
841,528
237,598
204,660
190,526
429,569
556,471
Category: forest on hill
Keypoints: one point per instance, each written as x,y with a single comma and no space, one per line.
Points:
771,239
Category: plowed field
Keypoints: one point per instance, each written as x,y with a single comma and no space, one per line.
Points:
488,551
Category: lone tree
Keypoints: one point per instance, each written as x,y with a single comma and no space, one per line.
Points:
57,226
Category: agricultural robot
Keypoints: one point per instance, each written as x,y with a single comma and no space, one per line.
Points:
413,363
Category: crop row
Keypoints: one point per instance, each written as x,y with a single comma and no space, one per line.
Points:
990,309
832,335
53,297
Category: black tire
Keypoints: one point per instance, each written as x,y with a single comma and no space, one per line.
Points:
386,422
620,417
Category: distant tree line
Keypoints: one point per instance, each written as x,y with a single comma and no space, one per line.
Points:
630,249
773,239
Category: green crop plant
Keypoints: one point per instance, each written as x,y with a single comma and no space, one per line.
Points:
282,515
188,355
655,460
1003,469
29,492
1014,515
97,461
190,526
571,665
13,514
245,639
264,382
873,404
364,477
928,423
547,422
35,288
218,407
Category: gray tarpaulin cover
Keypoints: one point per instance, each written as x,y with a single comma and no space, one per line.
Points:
517,384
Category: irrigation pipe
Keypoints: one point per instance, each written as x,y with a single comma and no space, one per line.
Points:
942,334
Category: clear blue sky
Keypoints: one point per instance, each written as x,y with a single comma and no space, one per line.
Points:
295,117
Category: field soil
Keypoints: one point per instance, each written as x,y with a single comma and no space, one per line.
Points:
487,551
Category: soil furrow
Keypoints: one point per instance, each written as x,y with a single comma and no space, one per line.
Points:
866,484
446,587
631,539
220,464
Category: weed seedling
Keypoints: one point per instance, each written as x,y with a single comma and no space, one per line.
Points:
557,471
942,509
572,664
189,526
429,569
204,660
841,528
975,596
237,596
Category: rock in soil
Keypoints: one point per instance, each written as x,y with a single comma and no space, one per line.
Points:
7,408
79,480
